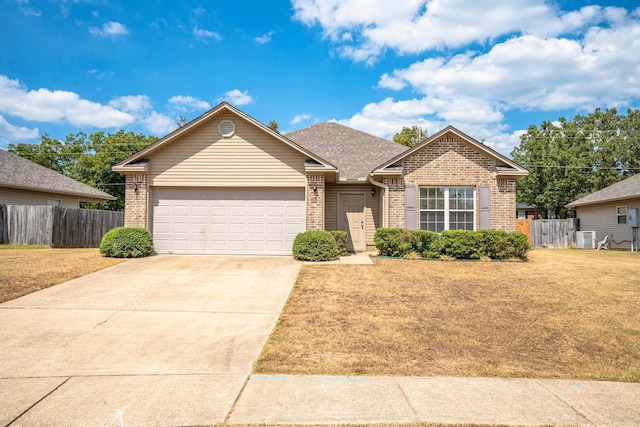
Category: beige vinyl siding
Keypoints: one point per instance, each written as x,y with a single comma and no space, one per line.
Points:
372,207
13,196
251,157
603,219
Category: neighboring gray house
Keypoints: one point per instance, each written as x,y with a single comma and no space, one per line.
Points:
23,182
611,211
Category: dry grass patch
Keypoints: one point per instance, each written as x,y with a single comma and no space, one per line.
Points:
24,269
563,314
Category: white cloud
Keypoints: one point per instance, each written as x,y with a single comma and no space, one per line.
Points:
532,73
109,29
12,134
363,32
131,103
57,106
238,97
265,38
206,34
188,103
300,118
28,10
159,124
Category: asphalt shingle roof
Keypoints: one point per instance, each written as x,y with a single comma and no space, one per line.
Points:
355,153
625,189
18,172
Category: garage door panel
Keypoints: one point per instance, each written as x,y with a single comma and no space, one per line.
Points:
227,221
256,211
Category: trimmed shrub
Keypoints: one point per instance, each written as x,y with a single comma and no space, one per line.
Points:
315,245
492,243
393,241
425,241
460,244
342,238
127,242
517,245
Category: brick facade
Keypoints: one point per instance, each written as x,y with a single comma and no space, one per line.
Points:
315,201
136,198
396,201
450,162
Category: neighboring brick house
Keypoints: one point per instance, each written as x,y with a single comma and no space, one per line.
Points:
225,183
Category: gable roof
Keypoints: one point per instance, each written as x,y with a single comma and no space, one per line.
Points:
505,167
355,153
20,173
136,162
625,189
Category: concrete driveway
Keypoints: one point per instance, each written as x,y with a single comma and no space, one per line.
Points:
164,340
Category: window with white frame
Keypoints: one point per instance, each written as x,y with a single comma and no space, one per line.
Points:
622,214
447,208
53,202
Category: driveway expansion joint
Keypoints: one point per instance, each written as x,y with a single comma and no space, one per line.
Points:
406,398
235,402
37,402
564,402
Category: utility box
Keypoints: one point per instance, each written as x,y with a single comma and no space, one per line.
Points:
586,239
633,217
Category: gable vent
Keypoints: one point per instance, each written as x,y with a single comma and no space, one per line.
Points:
227,128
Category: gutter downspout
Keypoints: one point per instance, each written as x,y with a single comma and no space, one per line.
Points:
385,202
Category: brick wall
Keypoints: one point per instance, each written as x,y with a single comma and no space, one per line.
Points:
136,196
503,218
396,200
315,201
450,162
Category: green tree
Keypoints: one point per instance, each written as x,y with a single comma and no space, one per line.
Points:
572,158
410,136
274,126
88,159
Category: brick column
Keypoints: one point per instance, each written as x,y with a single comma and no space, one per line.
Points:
315,201
503,205
135,199
396,201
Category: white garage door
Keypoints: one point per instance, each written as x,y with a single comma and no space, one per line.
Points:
227,221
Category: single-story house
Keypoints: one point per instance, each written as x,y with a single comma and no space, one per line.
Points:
23,182
226,184
613,212
524,211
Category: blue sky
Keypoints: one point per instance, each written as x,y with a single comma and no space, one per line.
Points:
490,69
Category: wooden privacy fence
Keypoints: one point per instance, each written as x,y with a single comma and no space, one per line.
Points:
550,233
55,226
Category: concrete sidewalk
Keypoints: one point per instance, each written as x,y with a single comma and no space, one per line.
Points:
369,400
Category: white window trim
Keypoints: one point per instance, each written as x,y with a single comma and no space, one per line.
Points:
54,202
446,204
624,215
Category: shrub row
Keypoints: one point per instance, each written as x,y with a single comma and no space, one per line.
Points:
459,244
317,245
